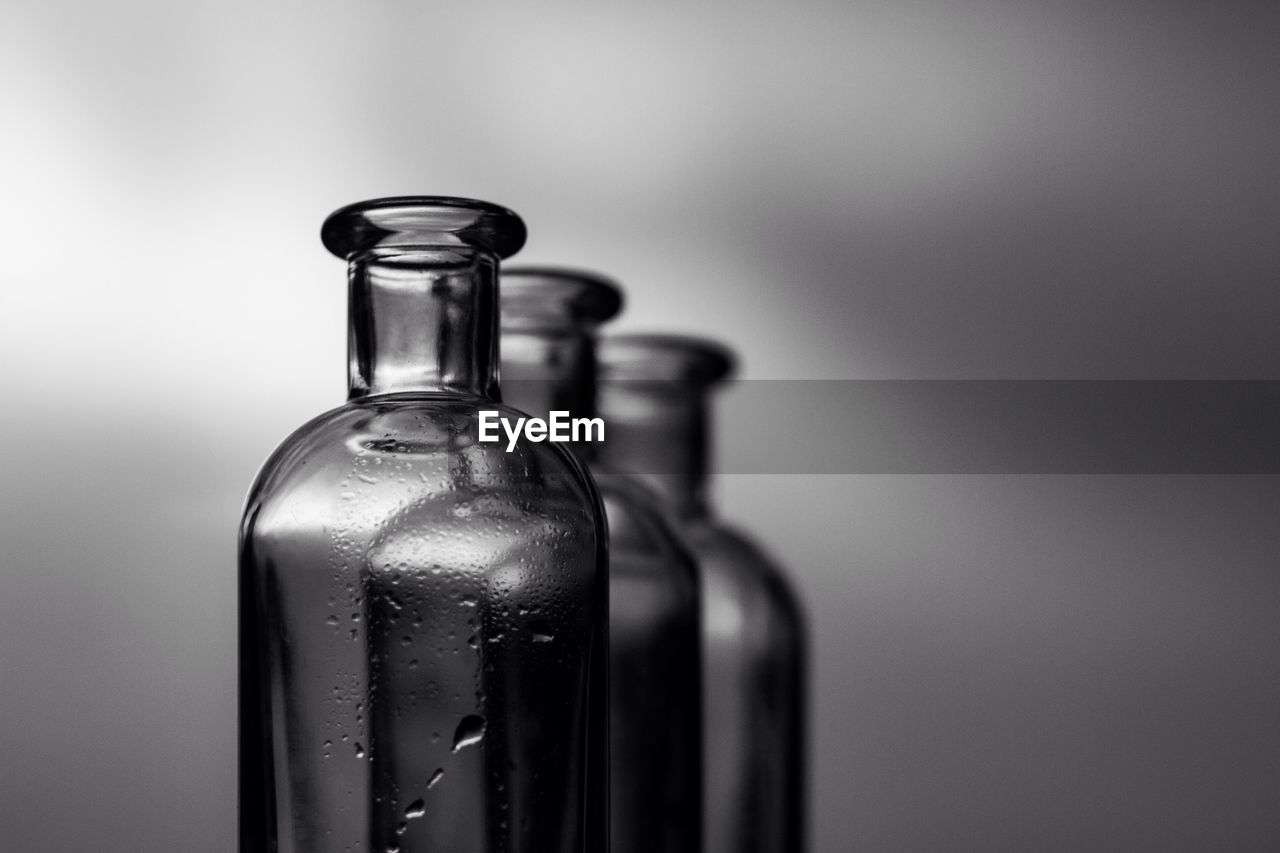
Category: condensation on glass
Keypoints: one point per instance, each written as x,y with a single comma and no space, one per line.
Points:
654,395
549,322
422,616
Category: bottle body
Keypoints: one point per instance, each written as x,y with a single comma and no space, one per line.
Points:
655,679
423,630
549,320
655,395
755,658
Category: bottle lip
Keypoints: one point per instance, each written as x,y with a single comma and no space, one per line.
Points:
547,294
664,357
423,222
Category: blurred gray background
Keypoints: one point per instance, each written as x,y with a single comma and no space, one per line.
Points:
863,190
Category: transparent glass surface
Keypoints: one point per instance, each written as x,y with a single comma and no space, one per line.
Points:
654,395
754,672
549,318
423,617
655,679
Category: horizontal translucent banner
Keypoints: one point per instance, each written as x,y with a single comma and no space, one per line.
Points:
996,427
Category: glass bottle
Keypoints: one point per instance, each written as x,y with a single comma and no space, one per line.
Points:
654,396
422,616
549,322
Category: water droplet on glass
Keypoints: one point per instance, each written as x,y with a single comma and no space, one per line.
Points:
359,750
470,731
415,809
332,620
542,638
435,777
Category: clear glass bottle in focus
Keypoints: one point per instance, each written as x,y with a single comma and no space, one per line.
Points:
422,616
654,394
549,322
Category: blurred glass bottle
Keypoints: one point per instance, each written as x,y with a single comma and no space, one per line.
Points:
654,396
549,322
422,616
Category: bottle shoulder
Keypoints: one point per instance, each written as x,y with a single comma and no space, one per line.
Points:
639,528
733,563
399,448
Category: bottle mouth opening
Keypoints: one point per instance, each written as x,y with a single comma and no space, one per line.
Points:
664,358
535,297
423,222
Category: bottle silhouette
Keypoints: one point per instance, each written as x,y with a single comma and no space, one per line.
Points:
654,396
422,616
549,322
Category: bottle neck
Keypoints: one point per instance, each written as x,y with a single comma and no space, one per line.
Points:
423,320
660,432
546,369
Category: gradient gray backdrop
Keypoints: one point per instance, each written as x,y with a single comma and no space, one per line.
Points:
866,190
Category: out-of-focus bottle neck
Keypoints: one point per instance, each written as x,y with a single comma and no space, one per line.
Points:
548,368
660,432
549,320
423,320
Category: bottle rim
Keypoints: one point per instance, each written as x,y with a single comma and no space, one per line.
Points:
665,357
547,293
423,222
